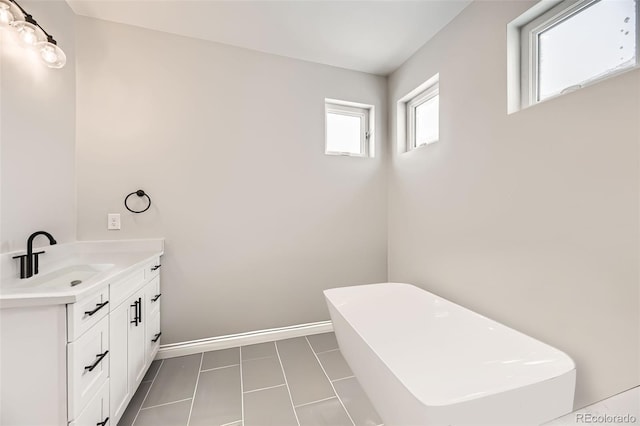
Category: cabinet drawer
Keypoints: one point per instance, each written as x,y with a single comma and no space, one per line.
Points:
97,410
87,366
152,297
153,336
123,288
152,269
84,314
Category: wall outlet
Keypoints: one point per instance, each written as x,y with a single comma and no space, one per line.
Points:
113,221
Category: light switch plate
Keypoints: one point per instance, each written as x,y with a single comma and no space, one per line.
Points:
113,221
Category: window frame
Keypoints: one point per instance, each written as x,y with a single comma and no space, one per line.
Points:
351,109
529,47
412,104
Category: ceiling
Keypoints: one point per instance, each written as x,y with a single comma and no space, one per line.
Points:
370,36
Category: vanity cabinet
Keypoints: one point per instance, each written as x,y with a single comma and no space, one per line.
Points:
131,324
80,364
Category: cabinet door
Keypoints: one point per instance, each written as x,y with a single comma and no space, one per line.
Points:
119,340
136,340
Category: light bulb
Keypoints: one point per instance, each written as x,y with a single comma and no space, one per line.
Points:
51,54
6,17
28,32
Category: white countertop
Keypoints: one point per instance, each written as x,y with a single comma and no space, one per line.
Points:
125,255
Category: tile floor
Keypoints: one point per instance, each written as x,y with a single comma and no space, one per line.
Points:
301,381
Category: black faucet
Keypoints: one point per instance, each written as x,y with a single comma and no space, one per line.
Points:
31,257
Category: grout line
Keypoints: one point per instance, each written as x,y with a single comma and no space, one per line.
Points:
195,389
324,352
219,368
313,402
147,394
231,423
241,390
343,378
268,387
330,382
166,403
287,383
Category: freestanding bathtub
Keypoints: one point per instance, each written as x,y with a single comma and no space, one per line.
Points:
423,361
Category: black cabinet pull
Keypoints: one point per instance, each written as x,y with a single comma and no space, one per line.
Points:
95,364
155,339
135,315
139,310
153,268
103,423
156,297
98,307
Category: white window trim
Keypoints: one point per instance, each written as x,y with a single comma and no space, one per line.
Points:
528,49
412,105
405,112
365,113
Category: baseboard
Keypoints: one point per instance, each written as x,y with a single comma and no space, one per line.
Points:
241,339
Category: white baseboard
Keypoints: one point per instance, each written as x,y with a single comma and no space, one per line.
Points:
241,339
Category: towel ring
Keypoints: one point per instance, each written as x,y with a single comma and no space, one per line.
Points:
139,193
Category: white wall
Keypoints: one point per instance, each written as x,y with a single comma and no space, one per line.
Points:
37,133
229,143
531,219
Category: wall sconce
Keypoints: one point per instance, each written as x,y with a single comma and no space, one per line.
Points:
31,33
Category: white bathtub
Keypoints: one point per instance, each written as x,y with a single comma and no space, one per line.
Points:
423,360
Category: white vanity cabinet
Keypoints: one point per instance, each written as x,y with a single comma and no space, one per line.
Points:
80,364
129,321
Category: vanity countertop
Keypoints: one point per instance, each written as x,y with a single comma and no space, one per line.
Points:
116,259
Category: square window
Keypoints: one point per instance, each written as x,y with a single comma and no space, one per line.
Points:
420,110
348,130
574,44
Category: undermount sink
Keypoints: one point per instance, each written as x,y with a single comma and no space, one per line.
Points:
66,277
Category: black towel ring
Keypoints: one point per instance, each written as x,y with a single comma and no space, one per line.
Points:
139,193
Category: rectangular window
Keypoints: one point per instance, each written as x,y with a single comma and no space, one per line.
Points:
574,44
418,116
423,113
348,128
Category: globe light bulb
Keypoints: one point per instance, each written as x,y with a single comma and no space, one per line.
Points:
51,54
28,32
6,17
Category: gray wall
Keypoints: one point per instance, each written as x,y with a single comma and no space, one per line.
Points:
37,134
530,218
229,143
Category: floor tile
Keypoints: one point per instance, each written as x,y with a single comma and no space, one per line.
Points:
335,365
218,397
357,403
165,415
305,377
324,413
131,412
151,372
261,350
261,373
176,380
323,342
269,407
221,358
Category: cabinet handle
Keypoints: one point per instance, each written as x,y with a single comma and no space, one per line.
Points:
156,297
139,310
155,339
153,268
95,364
98,307
135,315
103,423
